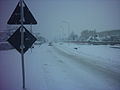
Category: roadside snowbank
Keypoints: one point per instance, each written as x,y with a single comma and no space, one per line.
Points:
100,55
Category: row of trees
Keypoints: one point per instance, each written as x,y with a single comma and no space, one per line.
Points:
84,35
92,35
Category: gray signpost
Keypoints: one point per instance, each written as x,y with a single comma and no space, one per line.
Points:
22,42
22,39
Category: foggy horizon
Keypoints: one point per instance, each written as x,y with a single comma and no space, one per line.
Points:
62,17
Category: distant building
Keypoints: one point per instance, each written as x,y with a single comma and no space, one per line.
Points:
113,35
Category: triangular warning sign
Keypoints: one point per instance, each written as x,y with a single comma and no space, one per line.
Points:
28,17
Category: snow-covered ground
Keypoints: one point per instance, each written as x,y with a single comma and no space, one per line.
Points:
106,56
54,68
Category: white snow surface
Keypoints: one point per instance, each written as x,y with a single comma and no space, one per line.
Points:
102,55
55,68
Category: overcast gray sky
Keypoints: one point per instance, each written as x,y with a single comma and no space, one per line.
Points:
55,16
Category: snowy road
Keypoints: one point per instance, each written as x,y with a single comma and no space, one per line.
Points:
48,68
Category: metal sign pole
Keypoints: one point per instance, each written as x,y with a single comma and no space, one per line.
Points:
18,38
22,42
31,32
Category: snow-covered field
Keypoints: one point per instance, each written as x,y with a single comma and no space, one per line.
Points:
106,56
58,67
